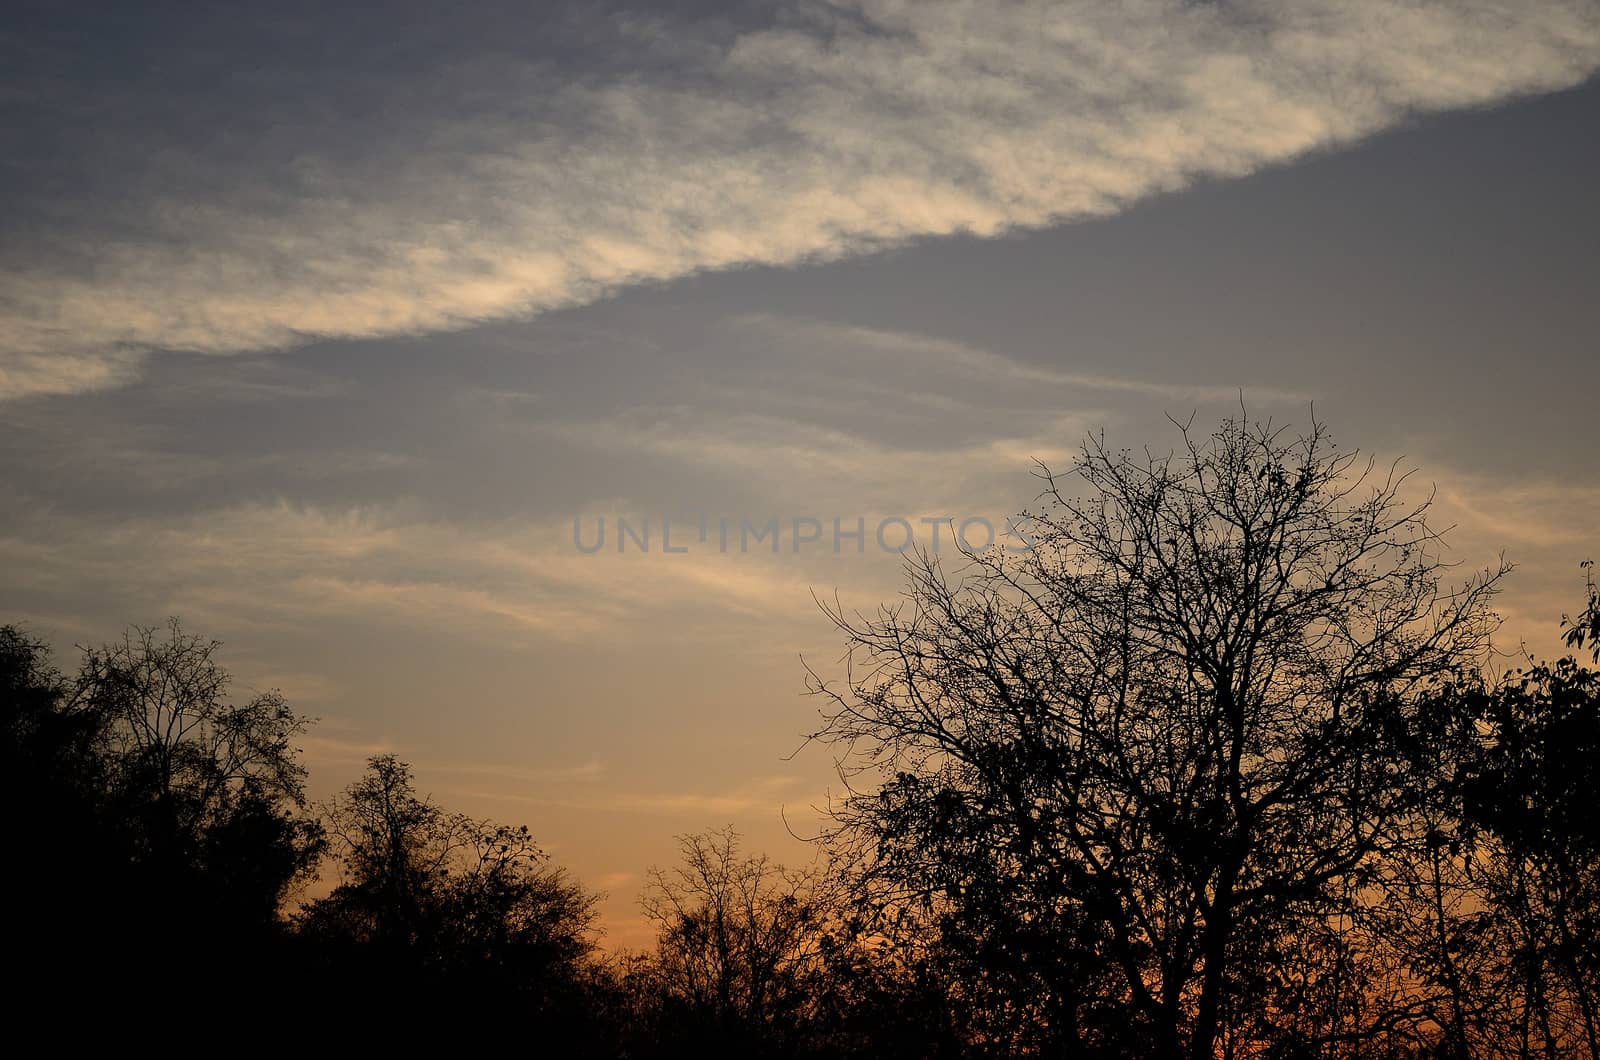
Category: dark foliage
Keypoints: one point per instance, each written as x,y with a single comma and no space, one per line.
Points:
441,914
158,824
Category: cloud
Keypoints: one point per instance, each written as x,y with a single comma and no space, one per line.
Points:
278,567
497,187
323,749
1544,527
792,467
1528,514
758,795
969,368
48,367
589,770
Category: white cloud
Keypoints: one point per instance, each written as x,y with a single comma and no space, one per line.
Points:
853,126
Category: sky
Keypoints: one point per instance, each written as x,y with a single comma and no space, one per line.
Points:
336,330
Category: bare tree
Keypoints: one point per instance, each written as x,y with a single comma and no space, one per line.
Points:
739,939
1158,735
172,727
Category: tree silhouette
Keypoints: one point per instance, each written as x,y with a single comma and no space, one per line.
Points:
1533,792
209,788
1512,867
1585,629
161,823
738,950
446,910
67,848
1157,737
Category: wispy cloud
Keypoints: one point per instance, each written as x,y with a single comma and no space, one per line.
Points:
836,129
759,795
325,748
920,357
592,769
278,567
1531,514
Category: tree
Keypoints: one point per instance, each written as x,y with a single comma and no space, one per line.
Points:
1585,629
1532,792
1157,737
738,950
395,850
47,743
445,909
51,795
1491,890
1510,903
209,789
1431,924
157,825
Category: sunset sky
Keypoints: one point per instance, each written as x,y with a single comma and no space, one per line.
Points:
322,325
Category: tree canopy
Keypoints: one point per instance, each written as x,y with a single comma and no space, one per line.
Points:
1157,743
